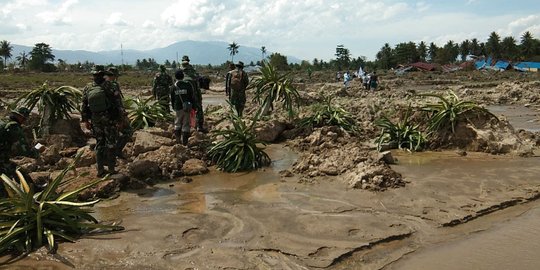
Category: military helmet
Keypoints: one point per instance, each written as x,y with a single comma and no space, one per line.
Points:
100,70
114,71
185,58
22,111
162,68
240,64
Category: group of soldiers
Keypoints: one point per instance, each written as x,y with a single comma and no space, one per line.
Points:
103,113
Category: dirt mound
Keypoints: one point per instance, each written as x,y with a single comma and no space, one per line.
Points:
374,177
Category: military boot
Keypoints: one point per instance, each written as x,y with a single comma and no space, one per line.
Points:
178,136
100,166
185,137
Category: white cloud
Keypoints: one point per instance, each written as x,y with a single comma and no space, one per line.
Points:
116,19
422,6
149,24
60,15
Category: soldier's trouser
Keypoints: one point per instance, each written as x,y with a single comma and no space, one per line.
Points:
106,135
182,120
200,114
124,136
239,108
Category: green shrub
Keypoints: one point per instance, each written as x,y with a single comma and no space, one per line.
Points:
404,134
328,114
238,150
28,219
143,113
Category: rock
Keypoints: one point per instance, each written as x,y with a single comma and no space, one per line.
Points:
159,132
286,173
145,142
374,177
40,178
107,188
87,158
194,167
51,155
61,140
71,128
142,169
386,157
270,131
26,164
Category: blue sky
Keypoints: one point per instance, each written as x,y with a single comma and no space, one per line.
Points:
306,29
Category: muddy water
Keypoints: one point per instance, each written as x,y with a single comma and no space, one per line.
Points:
527,118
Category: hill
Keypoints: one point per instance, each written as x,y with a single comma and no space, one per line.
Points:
200,52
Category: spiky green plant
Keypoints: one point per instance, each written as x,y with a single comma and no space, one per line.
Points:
327,113
238,150
448,110
28,219
272,87
52,103
143,113
404,134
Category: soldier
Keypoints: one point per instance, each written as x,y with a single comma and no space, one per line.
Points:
238,83
124,128
228,80
101,113
160,87
13,143
182,97
192,75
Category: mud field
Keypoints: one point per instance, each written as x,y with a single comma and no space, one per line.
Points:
329,200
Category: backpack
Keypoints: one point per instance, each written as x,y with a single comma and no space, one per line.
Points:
236,80
98,101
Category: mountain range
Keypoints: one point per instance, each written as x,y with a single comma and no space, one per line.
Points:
199,52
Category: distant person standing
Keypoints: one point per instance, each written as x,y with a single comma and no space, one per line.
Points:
228,80
237,84
160,87
338,76
365,80
182,98
191,74
373,81
346,79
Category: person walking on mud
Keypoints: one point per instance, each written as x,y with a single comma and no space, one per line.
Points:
160,87
182,97
228,80
191,74
373,81
124,128
237,84
100,113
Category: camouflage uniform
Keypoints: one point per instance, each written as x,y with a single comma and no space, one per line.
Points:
104,126
238,97
124,128
193,77
160,88
12,143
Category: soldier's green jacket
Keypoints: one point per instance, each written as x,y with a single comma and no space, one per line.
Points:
161,85
13,141
113,96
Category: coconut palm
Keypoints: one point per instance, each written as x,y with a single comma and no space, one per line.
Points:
5,50
263,52
233,49
29,219
271,87
23,59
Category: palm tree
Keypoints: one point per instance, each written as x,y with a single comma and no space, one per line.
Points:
527,45
5,50
263,52
22,59
233,48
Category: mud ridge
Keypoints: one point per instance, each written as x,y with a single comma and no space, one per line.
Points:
370,245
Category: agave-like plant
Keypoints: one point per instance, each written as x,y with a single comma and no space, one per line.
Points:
403,134
329,114
272,87
448,111
28,219
143,113
52,103
238,150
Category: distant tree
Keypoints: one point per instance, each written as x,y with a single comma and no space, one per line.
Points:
167,63
448,53
405,53
465,49
432,51
279,61
422,51
40,55
174,64
385,57
62,65
527,45
475,48
509,48
5,50
233,50
22,58
263,52
343,57
493,46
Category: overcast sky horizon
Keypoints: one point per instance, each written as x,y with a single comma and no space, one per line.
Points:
305,29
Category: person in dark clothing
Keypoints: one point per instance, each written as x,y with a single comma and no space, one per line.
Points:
182,98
